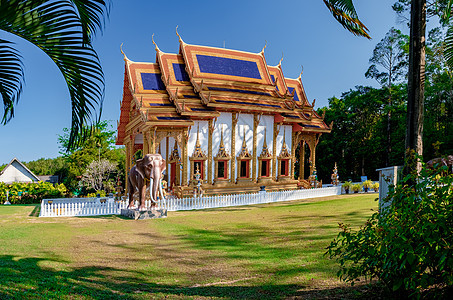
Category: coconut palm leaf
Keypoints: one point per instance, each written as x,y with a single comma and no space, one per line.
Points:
11,78
63,30
344,12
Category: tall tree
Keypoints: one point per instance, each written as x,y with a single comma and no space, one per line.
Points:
64,30
344,12
389,55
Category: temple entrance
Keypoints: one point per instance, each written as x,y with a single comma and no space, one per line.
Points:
172,175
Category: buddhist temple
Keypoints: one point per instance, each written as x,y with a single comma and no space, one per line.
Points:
223,113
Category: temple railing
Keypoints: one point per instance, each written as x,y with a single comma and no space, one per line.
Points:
108,206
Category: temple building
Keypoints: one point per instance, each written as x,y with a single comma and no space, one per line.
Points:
223,113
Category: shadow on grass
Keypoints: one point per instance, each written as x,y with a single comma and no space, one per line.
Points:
35,212
25,278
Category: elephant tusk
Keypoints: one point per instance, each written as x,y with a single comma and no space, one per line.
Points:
151,181
160,189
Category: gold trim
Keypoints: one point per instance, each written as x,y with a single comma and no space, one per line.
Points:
274,152
210,131
234,122
256,122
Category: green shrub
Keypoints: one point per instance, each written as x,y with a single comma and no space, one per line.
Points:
409,245
30,192
375,186
347,185
367,184
356,187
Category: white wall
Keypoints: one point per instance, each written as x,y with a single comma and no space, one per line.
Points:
16,173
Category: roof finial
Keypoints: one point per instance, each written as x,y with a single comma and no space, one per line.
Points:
180,39
157,48
265,45
122,52
281,59
301,72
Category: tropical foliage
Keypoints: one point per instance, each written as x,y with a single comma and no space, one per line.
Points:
358,142
64,31
409,245
25,193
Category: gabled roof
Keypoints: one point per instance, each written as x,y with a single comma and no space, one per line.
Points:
200,82
10,172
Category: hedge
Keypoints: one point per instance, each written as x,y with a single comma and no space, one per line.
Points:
30,192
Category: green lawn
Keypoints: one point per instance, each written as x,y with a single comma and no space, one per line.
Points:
250,252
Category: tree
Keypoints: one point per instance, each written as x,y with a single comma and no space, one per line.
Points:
390,55
97,174
344,12
64,31
99,145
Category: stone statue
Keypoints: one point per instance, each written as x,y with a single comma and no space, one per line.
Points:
146,172
441,162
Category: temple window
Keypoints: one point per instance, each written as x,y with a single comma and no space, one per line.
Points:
265,168
284,167
244,170
198,165
222,166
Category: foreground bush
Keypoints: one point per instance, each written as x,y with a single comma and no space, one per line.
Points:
30,192
409,245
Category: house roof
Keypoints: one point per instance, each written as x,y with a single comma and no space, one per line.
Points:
25,171
200,82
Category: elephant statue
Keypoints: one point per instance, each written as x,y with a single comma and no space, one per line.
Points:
148,169
440,162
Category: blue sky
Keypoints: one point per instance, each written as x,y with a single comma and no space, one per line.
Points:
333,59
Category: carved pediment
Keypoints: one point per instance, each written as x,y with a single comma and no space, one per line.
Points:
198,154
265,154
284,154
222,154
245,154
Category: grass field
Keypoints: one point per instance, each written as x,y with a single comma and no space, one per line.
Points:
252,252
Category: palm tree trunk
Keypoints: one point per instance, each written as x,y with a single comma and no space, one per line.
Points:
416,86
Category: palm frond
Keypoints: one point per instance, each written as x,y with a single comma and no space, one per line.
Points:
448,50
11,78
91,13
344,12
63,30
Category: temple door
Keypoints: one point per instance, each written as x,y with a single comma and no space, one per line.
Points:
172,175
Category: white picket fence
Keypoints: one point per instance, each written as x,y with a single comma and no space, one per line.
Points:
105,206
